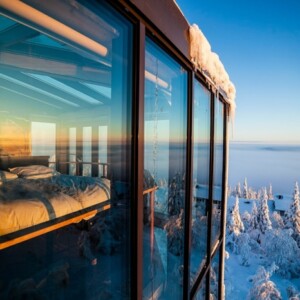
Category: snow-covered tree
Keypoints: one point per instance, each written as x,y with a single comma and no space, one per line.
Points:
252,194
263,288
277,221
243,248
292,293
254,218
246,219
292,217
229,191
238,190
258,194
235,224
280,248
176,195
270,192
175,233
263,213
245,189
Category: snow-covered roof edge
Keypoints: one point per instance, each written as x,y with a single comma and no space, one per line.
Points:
209,63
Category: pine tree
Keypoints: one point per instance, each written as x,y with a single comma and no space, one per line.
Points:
282,249
292,218
238,190
245,190
254,218
277,221
270,192
246,219
263,288
263,213
235,224
244,248
292,293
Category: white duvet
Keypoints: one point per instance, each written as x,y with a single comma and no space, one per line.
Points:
27,202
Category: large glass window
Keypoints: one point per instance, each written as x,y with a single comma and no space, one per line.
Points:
65,150
214,276
165,167
201,292
201,156
218,170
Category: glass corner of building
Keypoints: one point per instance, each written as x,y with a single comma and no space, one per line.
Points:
72,162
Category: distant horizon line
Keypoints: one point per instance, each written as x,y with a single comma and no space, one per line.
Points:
266,142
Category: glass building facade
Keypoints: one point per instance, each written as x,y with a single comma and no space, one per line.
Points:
113,155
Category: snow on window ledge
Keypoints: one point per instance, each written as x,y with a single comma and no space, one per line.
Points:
210,65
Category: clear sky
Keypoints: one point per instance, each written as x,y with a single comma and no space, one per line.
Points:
259,45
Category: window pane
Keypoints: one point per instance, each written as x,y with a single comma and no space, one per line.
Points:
201,292
86,150
72,151
214,277
218,170
201,154
65,151
165,163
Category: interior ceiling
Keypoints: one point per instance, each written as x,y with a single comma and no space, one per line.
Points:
40,69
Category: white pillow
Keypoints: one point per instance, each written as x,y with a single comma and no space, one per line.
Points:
33,171
7,176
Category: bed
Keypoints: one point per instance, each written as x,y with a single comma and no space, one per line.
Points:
35,199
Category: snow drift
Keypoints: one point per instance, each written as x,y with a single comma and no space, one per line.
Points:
209,63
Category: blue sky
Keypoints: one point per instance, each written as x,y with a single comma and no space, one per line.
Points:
259,45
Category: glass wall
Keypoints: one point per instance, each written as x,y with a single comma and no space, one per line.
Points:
66,165
218,170
165,167
214,277
201,158
201,292
65,151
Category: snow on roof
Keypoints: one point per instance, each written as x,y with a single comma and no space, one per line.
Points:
201,191
209,63
283,202
247,204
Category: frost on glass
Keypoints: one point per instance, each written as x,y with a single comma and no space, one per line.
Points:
65,151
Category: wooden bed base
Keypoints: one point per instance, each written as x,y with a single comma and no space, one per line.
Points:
36,233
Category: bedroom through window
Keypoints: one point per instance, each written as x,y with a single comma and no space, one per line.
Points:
65,147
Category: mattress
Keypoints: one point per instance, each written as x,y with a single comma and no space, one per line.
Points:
27,202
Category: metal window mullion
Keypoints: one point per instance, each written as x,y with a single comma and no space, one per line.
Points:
189,190
224,199
211,182
137,162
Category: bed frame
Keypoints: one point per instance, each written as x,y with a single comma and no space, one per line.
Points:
23,235
7,162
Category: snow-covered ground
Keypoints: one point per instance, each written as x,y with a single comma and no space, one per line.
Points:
257,236
238,278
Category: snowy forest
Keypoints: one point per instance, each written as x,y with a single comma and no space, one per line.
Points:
262,245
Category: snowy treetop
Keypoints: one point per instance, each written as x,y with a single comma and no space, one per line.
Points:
209,63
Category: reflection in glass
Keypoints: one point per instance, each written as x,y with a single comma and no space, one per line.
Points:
201,154
86,150
65,153
165,161
201,292
72,151
102,151
218,170
214,277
